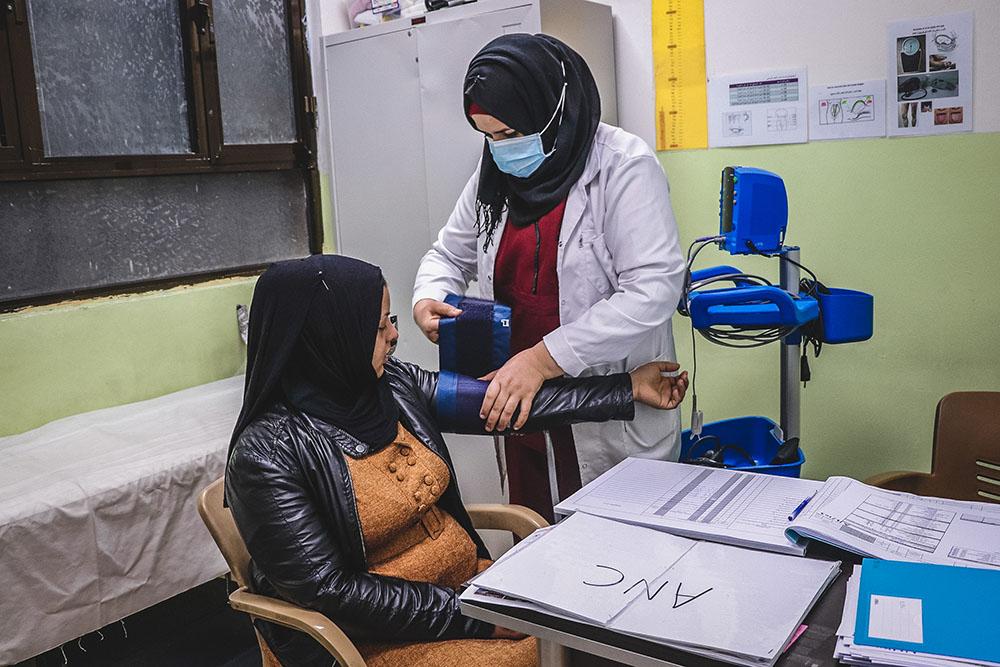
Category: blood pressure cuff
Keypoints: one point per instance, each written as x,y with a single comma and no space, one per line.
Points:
476,342
458,400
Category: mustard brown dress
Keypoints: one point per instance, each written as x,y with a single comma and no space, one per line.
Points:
406,535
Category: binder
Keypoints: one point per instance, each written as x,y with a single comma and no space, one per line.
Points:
939,609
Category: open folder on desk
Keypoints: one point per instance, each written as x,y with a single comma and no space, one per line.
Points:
729,506
901,526
731,604
753,510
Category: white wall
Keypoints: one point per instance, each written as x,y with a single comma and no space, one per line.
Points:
842,41
633,58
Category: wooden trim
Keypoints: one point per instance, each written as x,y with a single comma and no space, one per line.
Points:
133,288
10,141
25,91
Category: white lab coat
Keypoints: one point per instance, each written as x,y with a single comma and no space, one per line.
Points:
620,273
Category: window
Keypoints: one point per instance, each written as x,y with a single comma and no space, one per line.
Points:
136,134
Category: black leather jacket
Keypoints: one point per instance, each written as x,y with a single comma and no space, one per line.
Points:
290,492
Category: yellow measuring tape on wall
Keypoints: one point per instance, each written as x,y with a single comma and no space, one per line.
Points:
679,71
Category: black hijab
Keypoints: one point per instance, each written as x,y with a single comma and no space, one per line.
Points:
518,79
313,324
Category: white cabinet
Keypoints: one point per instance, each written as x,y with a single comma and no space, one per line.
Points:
402,149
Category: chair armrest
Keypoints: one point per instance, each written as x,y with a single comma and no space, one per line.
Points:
517,519
897,480
313,623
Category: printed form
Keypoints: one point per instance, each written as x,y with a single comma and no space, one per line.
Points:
729,506
901,526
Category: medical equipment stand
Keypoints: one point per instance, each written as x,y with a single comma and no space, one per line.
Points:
791,371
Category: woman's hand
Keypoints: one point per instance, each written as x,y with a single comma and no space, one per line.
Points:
651,387
427,313
514,386
504,633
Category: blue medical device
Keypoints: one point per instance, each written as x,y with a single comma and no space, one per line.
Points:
753,218
753,211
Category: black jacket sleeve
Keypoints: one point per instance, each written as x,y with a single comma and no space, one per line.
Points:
283,525
558,402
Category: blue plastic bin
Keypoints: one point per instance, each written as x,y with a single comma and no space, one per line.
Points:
752,434
847,315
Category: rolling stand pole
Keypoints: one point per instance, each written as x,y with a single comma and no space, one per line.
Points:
791,386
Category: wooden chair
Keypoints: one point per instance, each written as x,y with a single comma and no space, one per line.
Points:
519,520
966,458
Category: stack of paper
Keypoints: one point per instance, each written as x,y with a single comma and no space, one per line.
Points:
910,614
741,508
719,601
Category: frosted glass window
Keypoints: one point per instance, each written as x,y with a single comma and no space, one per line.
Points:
111,77
255,72
94,233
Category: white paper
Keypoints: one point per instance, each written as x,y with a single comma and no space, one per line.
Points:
902,526
896,619
847,110
735,603
741,508
758,108
586,566
929,75
736,600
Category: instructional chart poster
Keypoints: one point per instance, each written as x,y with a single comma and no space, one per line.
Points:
847,110
761,108
929,78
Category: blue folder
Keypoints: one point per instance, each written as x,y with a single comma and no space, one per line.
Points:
958,609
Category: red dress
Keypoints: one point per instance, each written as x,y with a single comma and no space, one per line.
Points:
525,279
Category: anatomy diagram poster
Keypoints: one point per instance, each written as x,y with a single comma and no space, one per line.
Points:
929,82
761,108
847,110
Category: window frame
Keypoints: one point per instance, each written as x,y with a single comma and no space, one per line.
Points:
24,160
209,152
10,150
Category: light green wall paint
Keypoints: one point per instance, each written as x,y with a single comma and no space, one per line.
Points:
74,357
914,221
78,356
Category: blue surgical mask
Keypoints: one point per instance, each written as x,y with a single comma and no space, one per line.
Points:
522,156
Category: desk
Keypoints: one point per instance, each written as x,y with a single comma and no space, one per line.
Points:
813,649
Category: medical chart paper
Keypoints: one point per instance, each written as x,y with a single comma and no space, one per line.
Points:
760,108
578,565
901,526
738,605
729,506
738,601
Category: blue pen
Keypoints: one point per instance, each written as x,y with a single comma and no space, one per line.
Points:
802,506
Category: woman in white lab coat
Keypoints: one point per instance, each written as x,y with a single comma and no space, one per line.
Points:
568,221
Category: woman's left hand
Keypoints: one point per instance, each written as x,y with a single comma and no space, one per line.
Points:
651,387
514,386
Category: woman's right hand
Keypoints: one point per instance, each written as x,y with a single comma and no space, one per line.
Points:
650,386
427,313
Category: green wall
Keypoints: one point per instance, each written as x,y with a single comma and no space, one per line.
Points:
914,221
77,356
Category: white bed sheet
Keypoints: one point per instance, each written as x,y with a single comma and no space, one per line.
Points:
98,517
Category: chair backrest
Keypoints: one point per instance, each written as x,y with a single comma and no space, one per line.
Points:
219,521
966,462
